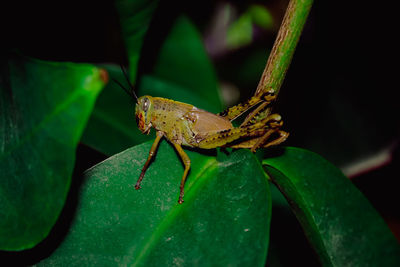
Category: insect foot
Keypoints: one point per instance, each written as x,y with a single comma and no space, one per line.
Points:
269,95
137,186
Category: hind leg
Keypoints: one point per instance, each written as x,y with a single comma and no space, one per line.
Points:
235,111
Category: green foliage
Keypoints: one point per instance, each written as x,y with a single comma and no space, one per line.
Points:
44,107
223,221
240,32
339,221
261,16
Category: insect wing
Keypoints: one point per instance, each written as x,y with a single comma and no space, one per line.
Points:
206,122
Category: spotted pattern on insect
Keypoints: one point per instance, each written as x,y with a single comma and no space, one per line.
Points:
242,105
265,98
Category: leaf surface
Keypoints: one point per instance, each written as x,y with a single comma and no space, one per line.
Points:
223,221
44,107
342,226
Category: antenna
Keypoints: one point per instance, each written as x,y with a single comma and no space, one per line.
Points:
130,92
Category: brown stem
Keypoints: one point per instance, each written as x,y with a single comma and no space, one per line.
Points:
284,46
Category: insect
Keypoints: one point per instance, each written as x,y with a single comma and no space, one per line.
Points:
186,125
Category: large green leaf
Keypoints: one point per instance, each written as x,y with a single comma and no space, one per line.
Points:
44,107
223,221
135,17
341,224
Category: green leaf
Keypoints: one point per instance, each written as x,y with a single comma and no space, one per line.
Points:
340,223
261,16
44,107
183,60
240,33
223,221
135,17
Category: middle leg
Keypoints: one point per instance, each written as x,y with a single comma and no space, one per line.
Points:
186,161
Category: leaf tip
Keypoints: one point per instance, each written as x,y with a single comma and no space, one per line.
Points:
104,77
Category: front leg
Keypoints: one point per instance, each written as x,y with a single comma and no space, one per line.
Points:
151,154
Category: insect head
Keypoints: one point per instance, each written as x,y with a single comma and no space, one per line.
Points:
142,113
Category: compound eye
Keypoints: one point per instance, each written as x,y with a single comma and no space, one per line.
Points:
146,104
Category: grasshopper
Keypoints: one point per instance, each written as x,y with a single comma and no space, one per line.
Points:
186,125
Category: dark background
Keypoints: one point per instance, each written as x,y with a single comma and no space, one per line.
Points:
339,98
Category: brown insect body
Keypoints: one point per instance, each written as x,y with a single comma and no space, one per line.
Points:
181,123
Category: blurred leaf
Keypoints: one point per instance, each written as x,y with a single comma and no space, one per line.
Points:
135,17
223,221
261,16
340,223
112,127
183,60
44,107
240,33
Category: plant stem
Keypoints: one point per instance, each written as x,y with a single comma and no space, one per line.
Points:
284,46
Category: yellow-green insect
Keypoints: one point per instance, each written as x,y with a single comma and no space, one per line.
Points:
184,124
